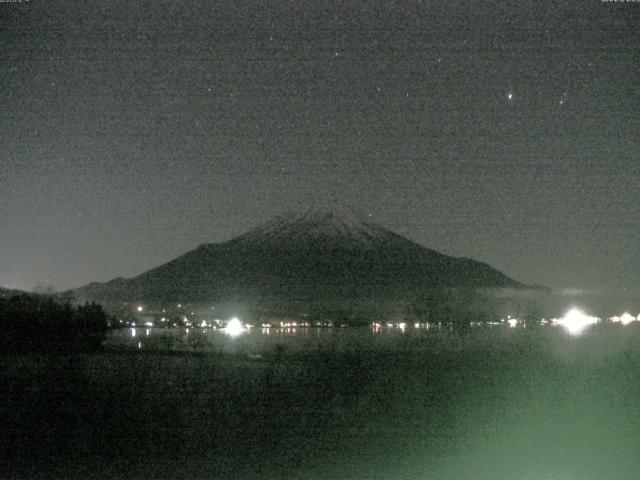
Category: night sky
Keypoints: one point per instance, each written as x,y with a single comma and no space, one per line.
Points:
505,131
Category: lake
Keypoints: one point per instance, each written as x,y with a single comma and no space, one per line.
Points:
256,341
347,403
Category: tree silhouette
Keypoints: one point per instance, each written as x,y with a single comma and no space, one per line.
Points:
39,323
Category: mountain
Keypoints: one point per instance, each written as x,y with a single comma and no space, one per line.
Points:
300,262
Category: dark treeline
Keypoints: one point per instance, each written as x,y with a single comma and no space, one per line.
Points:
40,323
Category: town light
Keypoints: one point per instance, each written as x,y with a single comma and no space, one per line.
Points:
575,321
234,327
624,319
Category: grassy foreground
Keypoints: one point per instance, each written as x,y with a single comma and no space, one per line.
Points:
480,405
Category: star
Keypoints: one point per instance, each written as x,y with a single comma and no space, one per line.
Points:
509,96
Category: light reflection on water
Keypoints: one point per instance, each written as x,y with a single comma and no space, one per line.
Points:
263,338
596,343
525,403
376,336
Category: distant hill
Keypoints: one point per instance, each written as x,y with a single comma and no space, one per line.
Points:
8,292
60,297
317,259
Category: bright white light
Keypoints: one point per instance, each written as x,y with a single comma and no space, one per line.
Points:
139,308
512,322
133,332
624,319
510,95
203,324
148,324
234,327
575,321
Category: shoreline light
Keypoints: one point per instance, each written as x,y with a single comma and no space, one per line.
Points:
234,327
624,319
575,321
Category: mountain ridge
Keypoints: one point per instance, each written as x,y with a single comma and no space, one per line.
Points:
303,259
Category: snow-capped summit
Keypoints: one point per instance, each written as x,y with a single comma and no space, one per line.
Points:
317,227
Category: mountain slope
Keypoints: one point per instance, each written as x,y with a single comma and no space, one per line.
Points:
301,259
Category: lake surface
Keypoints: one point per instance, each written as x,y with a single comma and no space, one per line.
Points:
300,340
492,403
292,339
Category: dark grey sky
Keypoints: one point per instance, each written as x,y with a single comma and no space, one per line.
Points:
506,131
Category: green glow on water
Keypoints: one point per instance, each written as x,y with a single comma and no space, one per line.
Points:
491,404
